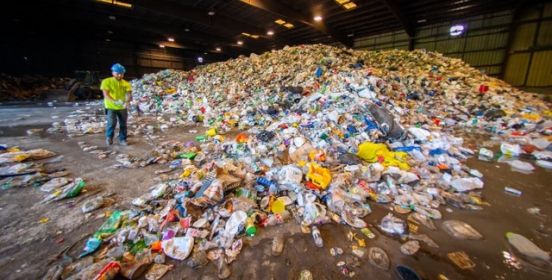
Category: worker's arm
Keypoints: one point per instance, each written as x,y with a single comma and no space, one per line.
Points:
107,96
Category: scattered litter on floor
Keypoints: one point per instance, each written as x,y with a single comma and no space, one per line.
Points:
312,134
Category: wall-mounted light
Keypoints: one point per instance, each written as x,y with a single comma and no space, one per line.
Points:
186,29
200,59
218,49
162,46
317,18
270,33
170,39
211,13
112,17
240,42
457,30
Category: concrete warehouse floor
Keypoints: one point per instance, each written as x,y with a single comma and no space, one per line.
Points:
28,247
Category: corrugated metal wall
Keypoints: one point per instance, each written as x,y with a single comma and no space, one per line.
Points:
530,55
525,59
483,45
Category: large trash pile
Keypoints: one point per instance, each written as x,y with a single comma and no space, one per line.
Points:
314,134
30,87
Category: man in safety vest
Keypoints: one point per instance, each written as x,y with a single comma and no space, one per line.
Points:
117,97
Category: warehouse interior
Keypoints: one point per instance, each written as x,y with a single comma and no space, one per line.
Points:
263,139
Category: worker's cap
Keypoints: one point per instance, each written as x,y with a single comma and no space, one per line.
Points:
118,68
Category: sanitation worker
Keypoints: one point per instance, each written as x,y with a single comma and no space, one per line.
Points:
117,97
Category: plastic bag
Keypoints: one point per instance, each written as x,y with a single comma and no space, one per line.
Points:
54,184
461,230
92,204
393,225
178,248
510,149
526,248
466,184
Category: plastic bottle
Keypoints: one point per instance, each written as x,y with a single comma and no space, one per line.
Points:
512,191
317,237
250,228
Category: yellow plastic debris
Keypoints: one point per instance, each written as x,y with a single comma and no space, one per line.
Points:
374,152
319,176
278,206
21,157
211,132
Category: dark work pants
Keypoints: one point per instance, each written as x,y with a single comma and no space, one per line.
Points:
112,117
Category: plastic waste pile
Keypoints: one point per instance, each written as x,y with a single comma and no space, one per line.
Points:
322,134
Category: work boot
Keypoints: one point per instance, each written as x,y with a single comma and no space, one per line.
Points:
108,141
123,143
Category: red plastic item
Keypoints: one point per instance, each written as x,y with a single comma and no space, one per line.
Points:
483,88
109,271
311,186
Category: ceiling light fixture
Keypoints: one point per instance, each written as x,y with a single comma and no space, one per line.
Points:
317,18
218,49
240,42
170,39
350,6
109,32
162,46
421,20
288,25
108,40
211,13
112,17
351,35
186,29
116,3
284,23
200,59
270,33
347,4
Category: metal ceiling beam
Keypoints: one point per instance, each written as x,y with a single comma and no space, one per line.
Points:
275,7
130,21
367,23
198,16
393,6
145,18
355,16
